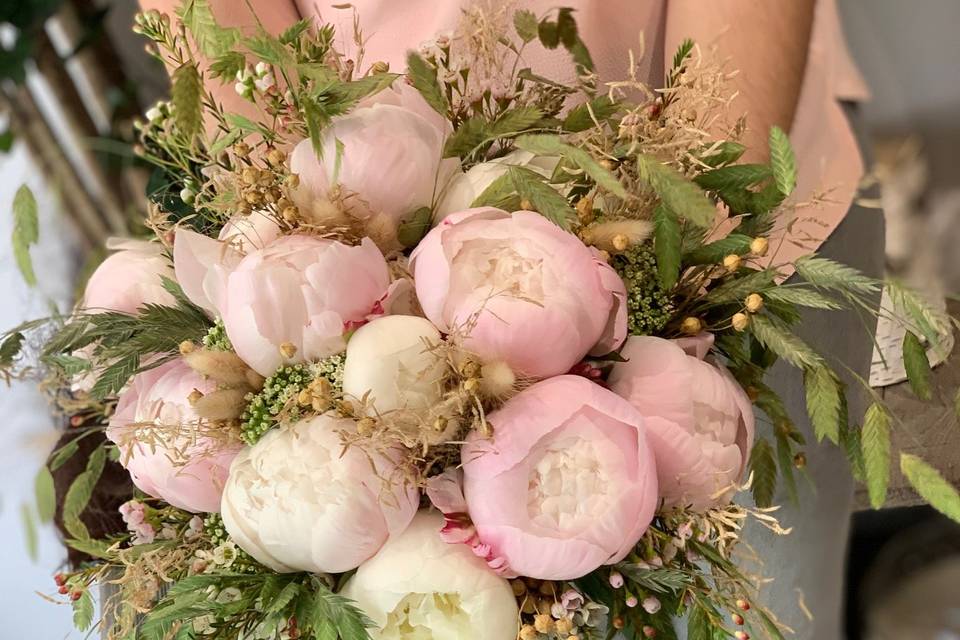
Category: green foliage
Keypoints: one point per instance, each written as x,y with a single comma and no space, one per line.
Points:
279,391
829,275
424,79
475,135
916,313
292,33
330,615
227,66
29,530
763,466
823,392
212,39
412,230
658,580
26,231
716,251
10,348
774,335
917,366
875,444
680,57
649,308
79,493
83,611
525,24
931,486
186,93
549,145
737,176
564,32
739,287
44,494
723,153
588,114
217,338
666,245
782,161
677,192
850,441
533,187
801,296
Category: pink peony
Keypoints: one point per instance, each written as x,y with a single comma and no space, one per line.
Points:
699,421
174,463
518,288
297,291
129,278
390,161
566,484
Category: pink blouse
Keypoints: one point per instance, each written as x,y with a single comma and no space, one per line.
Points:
829,160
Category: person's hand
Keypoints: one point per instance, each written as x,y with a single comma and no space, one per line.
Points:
766,41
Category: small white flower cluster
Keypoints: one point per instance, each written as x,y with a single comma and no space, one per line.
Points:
259,79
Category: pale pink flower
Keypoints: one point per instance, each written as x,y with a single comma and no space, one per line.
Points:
517,288
174,463
129,278
387,155
699,420
566,484
298,292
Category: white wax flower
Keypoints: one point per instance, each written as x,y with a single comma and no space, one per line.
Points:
297,501
419,587
390,360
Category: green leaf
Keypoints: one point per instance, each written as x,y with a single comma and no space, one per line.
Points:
356,90
500,194
186,93
412,230
95,548
227,66
917,313
10,348
212,39
736,289
716,251
514,121
931,486
824,273
779,339
531,186
6,140
681,195
680,56
802,297
583,116
782,161
26,231
69,365
875,443
525,23
737,176
823,402
83,610
548,34
64,453
917,366
723,153
29,531
115,376
270,50
660,580
548,145
424,79
79,493
785,461
666,246
468,138
294,31
852,446
763,466
330,615
45,494
287,595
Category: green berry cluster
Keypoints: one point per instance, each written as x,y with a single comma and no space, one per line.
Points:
648,306
280,389
216,337
264,407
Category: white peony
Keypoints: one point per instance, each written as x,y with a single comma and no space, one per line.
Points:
419,587
296,501
467,187
390,359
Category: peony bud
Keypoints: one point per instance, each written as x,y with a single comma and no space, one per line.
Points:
391,361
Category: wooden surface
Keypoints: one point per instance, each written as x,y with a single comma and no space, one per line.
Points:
929,429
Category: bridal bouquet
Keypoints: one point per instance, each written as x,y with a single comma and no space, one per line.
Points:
458,352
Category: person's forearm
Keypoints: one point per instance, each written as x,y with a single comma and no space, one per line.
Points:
274,15
766,41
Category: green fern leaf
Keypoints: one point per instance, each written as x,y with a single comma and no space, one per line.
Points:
875,443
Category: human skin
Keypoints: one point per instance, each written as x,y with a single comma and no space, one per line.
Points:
766,41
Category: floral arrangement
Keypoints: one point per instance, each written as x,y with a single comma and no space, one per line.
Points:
460,352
